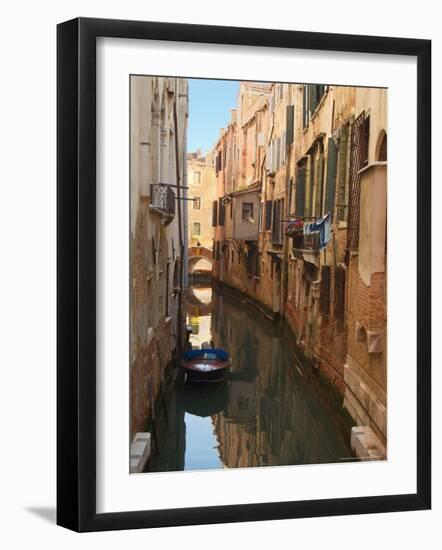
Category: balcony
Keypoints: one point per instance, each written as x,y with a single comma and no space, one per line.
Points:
242,214
162,200
306,242
277,238
306,247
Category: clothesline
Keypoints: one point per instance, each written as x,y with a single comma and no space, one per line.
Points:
300,218
321,225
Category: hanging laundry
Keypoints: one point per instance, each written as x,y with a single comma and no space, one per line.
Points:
321,226
325,231
312,227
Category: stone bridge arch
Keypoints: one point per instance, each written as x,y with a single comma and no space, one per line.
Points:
200,258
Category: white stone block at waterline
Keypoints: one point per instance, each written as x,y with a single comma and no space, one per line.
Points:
139,452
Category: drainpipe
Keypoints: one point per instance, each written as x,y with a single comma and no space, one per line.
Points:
180,220
185,221
285,265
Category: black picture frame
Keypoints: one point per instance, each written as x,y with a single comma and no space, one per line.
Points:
76,273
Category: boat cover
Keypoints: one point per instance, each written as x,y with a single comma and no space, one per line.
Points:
194,353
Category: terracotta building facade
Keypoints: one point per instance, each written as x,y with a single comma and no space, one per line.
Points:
202,193
300,228
158,246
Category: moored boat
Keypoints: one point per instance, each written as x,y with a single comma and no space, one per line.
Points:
206,365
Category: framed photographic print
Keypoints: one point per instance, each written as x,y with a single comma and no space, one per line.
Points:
243,274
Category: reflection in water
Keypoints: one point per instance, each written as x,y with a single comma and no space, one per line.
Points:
272,410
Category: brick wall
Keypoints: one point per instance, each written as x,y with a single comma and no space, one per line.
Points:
150,352
147,376
367,307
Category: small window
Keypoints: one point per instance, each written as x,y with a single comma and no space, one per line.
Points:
247,211
196,203
195,324
196,229
197,178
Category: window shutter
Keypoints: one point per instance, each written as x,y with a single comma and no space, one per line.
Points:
365,137
214,213
268,219
331,178
222,213
324,297
341,178
277,217
311,185
300,192
218,162
312,97
290,112
319,185
305,109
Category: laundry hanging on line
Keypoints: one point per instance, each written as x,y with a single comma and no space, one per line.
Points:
321,226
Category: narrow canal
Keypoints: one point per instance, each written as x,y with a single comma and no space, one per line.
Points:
274,408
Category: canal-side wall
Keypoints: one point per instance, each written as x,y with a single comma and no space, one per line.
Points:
365,371
147,376
325,155
158,251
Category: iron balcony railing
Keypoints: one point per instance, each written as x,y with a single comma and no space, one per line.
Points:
162,198
306,242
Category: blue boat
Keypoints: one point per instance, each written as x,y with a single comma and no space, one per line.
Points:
205,365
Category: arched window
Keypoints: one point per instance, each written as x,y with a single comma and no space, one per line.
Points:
381,147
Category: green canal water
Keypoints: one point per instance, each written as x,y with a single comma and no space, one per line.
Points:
273,409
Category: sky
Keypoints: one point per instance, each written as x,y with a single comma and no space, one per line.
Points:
210,102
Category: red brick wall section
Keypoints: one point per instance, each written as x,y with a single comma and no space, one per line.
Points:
149,356
367,306
324,339
146,377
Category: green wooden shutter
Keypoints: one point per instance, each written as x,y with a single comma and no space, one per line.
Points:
268,220
312,98
304,107
331,178
290,109
318,186
310,184
300,192
214,213
221,213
